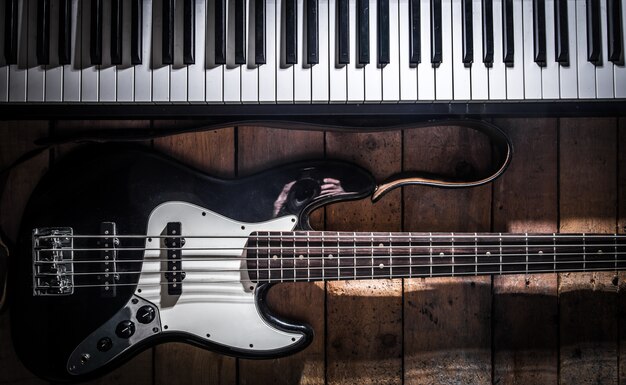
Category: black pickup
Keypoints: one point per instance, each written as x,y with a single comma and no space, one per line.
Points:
174,242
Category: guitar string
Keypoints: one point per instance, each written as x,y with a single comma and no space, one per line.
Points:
262,269
320,278
331,247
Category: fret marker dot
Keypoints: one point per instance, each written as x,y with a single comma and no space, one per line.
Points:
540,252
381,245
330,256
275,257
381,265
599,251
441,254
301,256
488,253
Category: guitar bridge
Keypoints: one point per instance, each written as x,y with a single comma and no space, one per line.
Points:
53,254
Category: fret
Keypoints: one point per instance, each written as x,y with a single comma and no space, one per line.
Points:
464,254
599,251
500,251
372,246
339,256
513,253
410,255
348,269
584,254
554,249
441,255
475,253
526,236
281,257
452,251
390,255
269,261
430,252
287,256
540,252
322,256
615,251
294,261
488,252
569,253
354,252
258,270
308,254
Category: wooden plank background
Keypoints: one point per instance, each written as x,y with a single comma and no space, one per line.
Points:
567,175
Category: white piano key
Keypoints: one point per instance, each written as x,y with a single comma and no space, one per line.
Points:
373,74
319,72
125,71
72,72
195,72
301,71
480,73
568,74
160,71
178,70
284,72
462,75
444,73
54,71
108,72
356,73
425,71
4,68
586,70
89,73
143,71
214,75
338,77
550,73
249,71
391,72
497,72
515,73
267,71
620,70
408,74
36,73
604,71
532,71
232,71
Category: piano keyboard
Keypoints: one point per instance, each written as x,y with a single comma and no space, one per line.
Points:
311,51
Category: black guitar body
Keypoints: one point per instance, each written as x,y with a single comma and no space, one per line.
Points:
123,185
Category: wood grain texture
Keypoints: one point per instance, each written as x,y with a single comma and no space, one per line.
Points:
16,139
212,152
621,229
525,307
447,321
258,149
364,319
588,301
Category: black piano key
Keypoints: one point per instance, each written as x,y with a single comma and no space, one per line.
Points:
240,32
43,32
220,31
508,30
291,32
95,44
10,31
312,32
136,34
487,12
593,31
363,31
259,32
383,32
562,33
65,32
539,32
116,31
189,32
415,55
343,33
435,33
468,32
168,32
614,33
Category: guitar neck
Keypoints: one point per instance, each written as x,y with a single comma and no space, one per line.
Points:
320,256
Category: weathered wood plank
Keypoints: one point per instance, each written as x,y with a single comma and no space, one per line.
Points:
16,139
212,152
447,321
364,318
588,301
621,229
258,149
525,307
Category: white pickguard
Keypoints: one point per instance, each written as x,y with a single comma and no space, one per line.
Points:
217,303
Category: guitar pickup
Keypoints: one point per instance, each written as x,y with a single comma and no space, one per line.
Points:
174,243
53,256
108,243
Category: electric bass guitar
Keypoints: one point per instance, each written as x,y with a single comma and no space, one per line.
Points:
122,248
